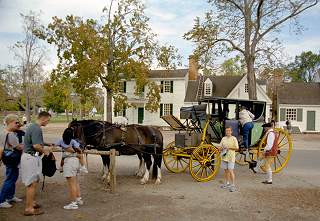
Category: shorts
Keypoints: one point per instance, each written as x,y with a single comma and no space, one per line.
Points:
71,167
227,165
31,169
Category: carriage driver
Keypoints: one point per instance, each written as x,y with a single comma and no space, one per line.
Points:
267,156
245,118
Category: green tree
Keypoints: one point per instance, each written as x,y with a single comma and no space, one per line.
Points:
233,66
121,47
306,67
247,27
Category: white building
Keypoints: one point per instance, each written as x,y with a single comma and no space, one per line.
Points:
184,87
300,103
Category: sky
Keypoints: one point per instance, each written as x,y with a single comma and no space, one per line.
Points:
170,19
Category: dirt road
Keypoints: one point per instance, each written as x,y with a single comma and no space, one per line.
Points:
295,194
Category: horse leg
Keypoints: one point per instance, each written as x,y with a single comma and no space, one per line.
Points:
106,164
156,173
148,162
141,169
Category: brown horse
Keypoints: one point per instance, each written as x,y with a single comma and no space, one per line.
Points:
130,140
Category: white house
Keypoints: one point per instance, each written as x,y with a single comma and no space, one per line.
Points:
300,103
184,87
173,89
233,87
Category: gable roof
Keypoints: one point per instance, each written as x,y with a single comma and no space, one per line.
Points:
299,93
228,82
222,86
178,73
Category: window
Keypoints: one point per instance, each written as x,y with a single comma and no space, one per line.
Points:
166,109
122,86
167,86
246,88
291,114
208,88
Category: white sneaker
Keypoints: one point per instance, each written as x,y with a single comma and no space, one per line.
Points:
5,205
80,201
72,205
83,169
225,186
15,199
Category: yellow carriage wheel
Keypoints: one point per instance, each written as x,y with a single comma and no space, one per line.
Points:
173,162
204,162
284,150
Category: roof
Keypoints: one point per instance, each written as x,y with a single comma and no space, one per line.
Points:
299,93
178,73
228,82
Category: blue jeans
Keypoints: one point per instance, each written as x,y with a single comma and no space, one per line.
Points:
9,185
246,130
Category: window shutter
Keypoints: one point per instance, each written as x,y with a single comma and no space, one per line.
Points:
171,88
124,87
161,87
282,114
171,109
299,114
161,110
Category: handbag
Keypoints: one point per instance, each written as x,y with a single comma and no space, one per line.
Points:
10,157
48,167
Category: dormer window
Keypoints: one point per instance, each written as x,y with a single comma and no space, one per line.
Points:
208,88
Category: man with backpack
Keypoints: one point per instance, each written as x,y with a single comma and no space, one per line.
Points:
270,151
31,164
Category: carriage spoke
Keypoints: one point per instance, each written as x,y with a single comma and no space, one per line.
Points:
282,139
279,161
202,172
206,171
184,160
198,170
282,145
181,163
196,165
281,156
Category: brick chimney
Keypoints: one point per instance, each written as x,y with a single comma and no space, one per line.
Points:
193,68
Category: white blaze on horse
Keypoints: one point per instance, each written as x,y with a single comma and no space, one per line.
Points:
145,141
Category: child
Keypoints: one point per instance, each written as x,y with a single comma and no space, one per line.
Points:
229,145
68,141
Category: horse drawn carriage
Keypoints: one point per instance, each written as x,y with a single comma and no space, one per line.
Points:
196,141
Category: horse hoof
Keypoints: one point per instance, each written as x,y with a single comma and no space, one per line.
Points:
143,182
158,182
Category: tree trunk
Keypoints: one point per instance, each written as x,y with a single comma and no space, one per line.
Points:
27,110
109,106
251,77
67,114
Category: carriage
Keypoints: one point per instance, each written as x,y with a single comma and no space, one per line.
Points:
196,143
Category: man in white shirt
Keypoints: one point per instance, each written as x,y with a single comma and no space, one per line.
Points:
271,138
245,118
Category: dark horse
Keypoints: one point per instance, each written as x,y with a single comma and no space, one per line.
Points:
130,140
